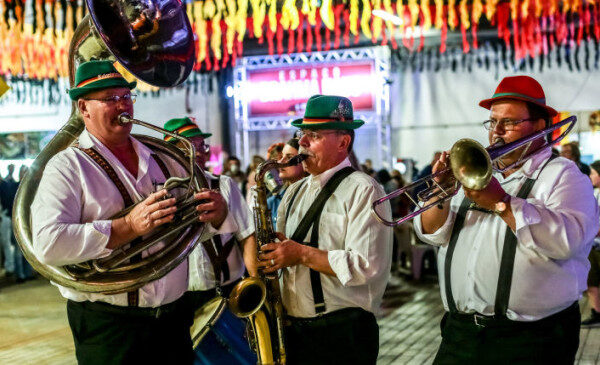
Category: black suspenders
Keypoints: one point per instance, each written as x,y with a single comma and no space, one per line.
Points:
507,262
132,296
217,251
312,218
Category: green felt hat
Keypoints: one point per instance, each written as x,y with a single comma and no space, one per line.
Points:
328,112
97,75
185,127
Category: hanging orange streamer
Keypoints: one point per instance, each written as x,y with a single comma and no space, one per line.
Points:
35,34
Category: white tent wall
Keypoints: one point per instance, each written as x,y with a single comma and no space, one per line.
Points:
432,110
24,117
16,117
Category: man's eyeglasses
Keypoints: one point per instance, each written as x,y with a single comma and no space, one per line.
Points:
506,124
205,148
312,135
116,98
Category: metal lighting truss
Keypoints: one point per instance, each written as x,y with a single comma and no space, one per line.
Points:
378,119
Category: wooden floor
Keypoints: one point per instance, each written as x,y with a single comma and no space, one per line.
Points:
34,328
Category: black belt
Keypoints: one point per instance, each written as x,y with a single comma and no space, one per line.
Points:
146,312
482,321
342,315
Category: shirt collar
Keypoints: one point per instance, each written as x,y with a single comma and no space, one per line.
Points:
531,167
324,177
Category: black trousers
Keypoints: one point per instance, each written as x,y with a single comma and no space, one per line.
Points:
193,300
108,334
347,336
552,340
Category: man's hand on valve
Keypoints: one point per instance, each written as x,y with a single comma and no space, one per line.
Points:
212,207
277,255
151,213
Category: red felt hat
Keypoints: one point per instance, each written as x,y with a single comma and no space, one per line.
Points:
523,88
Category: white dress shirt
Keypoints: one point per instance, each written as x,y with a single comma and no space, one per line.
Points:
202,275
359,248
555,227
71,210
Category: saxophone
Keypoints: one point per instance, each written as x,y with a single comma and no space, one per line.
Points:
259,298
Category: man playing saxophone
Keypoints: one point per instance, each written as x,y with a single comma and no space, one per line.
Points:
81,188
335,257
513,256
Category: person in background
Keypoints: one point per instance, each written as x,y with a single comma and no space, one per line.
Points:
513,257
221,260
23,269
425,171
233,169
250,173
571,151
8,249
8,190
275,151
593,280
367,167
289,175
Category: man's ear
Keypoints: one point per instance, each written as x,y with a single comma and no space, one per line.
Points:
540,124
81,104
345,142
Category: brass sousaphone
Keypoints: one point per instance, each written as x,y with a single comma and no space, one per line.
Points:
153,40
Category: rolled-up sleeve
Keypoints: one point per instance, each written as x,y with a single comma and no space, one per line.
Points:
440,237
368,244
59,238
561,224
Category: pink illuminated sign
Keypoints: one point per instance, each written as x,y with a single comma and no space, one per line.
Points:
285,90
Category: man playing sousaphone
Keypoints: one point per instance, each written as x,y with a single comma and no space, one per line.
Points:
220,261
513,256
81,188
335,257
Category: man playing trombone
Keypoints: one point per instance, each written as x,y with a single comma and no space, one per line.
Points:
513,256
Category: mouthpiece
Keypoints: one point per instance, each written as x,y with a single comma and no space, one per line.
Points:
297,159
124,118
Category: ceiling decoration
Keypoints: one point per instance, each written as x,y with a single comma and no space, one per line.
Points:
35,34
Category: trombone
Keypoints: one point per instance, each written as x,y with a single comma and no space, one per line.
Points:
471,165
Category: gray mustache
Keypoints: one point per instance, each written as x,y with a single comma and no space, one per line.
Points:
303,151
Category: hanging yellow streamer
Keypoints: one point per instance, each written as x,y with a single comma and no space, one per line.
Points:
387,5
365,25
413,8
200,25
525,8
259,10
426,14
451,14
240,21
439,13
477,10
272,15
231,22
377,21
289,15
464,14
327,16
400,12
490,9
353,17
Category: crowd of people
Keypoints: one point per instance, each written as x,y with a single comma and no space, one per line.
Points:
513,255
12,263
